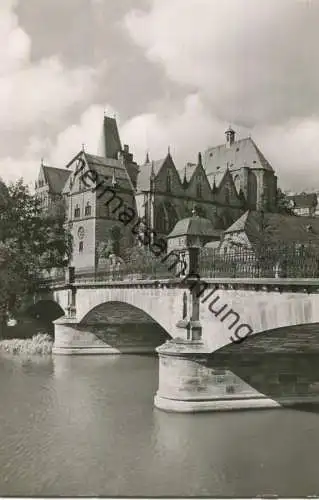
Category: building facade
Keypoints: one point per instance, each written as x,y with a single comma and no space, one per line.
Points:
230,179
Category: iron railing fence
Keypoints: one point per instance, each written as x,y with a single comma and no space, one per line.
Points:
268,261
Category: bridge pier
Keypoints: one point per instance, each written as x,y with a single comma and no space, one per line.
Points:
187,382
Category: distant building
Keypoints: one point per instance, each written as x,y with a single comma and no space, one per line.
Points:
49,186
255,229
304,204
233,177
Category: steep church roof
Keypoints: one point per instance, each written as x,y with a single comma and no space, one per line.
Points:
110,142
55,178
108,170
147,170
236,155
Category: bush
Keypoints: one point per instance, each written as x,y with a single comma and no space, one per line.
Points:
38,344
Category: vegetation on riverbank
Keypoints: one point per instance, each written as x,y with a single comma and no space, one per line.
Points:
38,344
31,243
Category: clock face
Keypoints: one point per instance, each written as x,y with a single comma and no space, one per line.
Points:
81,233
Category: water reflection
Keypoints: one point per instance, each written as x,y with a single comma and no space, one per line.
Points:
86,425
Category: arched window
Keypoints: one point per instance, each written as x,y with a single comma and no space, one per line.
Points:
77,211
160,219
237,182
88,209
171,216
226,196
168,182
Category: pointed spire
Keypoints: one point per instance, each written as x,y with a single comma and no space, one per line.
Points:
147,158
199,162
169,151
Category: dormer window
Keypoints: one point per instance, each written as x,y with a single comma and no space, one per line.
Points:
77,211
88,209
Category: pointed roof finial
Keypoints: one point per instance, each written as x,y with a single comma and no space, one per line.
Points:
42,162
147,158
169,150
83,147
199,159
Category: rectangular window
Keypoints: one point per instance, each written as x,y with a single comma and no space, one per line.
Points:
87,210
77,211
81,247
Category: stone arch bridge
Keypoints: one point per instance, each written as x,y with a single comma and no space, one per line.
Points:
192,324
229,309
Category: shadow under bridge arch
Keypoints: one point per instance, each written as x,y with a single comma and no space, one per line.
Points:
281,363
124,327
37,318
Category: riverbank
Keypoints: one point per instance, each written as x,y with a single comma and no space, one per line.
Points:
39,344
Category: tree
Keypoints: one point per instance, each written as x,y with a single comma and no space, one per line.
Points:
283,203
30,243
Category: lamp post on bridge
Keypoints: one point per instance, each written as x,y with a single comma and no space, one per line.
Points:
187,238
183,375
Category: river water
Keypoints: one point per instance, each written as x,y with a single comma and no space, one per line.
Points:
87,426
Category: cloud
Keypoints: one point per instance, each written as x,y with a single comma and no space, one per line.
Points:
254,62
33,94
186,131
59,151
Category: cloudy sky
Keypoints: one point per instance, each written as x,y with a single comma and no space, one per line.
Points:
175,72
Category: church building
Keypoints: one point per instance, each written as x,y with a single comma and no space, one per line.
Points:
222,184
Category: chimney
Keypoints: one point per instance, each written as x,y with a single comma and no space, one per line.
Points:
230,136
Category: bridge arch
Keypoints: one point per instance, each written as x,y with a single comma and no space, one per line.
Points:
163,306
280,363
45,310
123,325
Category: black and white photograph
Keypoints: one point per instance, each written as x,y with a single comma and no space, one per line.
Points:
159,248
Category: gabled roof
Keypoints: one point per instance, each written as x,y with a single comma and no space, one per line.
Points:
273,227
243,152
194,226
304,200
55,178
187,172
107,169
145,173
110,142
